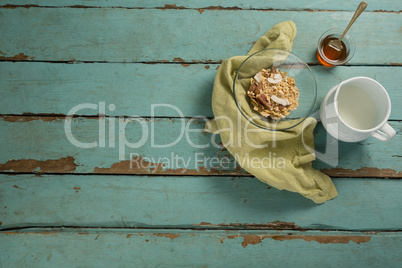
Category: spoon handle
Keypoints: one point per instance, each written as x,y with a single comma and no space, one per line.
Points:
358,11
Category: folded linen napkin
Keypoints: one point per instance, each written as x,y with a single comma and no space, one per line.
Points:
278,158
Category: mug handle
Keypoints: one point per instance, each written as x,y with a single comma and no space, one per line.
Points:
385,133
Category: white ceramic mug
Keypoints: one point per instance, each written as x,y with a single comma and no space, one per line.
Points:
356,109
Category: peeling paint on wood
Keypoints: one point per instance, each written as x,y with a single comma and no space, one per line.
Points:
325,239
18,57
51,233
25,118
148,160
178,59
171,236
201,10
301,5
362,172
194,247
247,239
10,6
66,164
207,224
202,200
387,11
276,225
256,239
139,166
173,6
82,6
206,24
321,10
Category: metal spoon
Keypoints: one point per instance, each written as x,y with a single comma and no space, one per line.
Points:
336,43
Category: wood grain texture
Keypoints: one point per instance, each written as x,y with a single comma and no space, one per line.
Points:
149,35
186,248
34,88
193,202
160,146
63,206
386,5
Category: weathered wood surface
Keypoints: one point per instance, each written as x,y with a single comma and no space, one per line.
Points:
188,248
160,35
304,5
46,88
159,146
193,202
130,54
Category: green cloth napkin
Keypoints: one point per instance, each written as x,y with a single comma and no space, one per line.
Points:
278,158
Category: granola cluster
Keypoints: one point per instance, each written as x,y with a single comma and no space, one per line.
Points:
273,93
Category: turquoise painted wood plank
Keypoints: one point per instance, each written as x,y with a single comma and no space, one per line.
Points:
29,87
186,248
362,155
193,202
159,146
388,5
37,87
137,35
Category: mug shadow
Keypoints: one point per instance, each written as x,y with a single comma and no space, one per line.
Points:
328,157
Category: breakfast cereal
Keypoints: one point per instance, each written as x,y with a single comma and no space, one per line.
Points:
273,93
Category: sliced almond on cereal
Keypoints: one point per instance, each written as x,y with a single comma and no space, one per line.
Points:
258,77
277,78
284,102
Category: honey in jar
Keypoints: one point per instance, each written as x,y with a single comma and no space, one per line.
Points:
330,56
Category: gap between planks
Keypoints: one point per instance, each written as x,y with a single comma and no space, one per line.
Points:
23,58
233,175
216,227
200,10
37,116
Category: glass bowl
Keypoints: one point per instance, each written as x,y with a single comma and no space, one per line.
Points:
285,61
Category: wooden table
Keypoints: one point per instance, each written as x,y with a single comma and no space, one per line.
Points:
69,194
